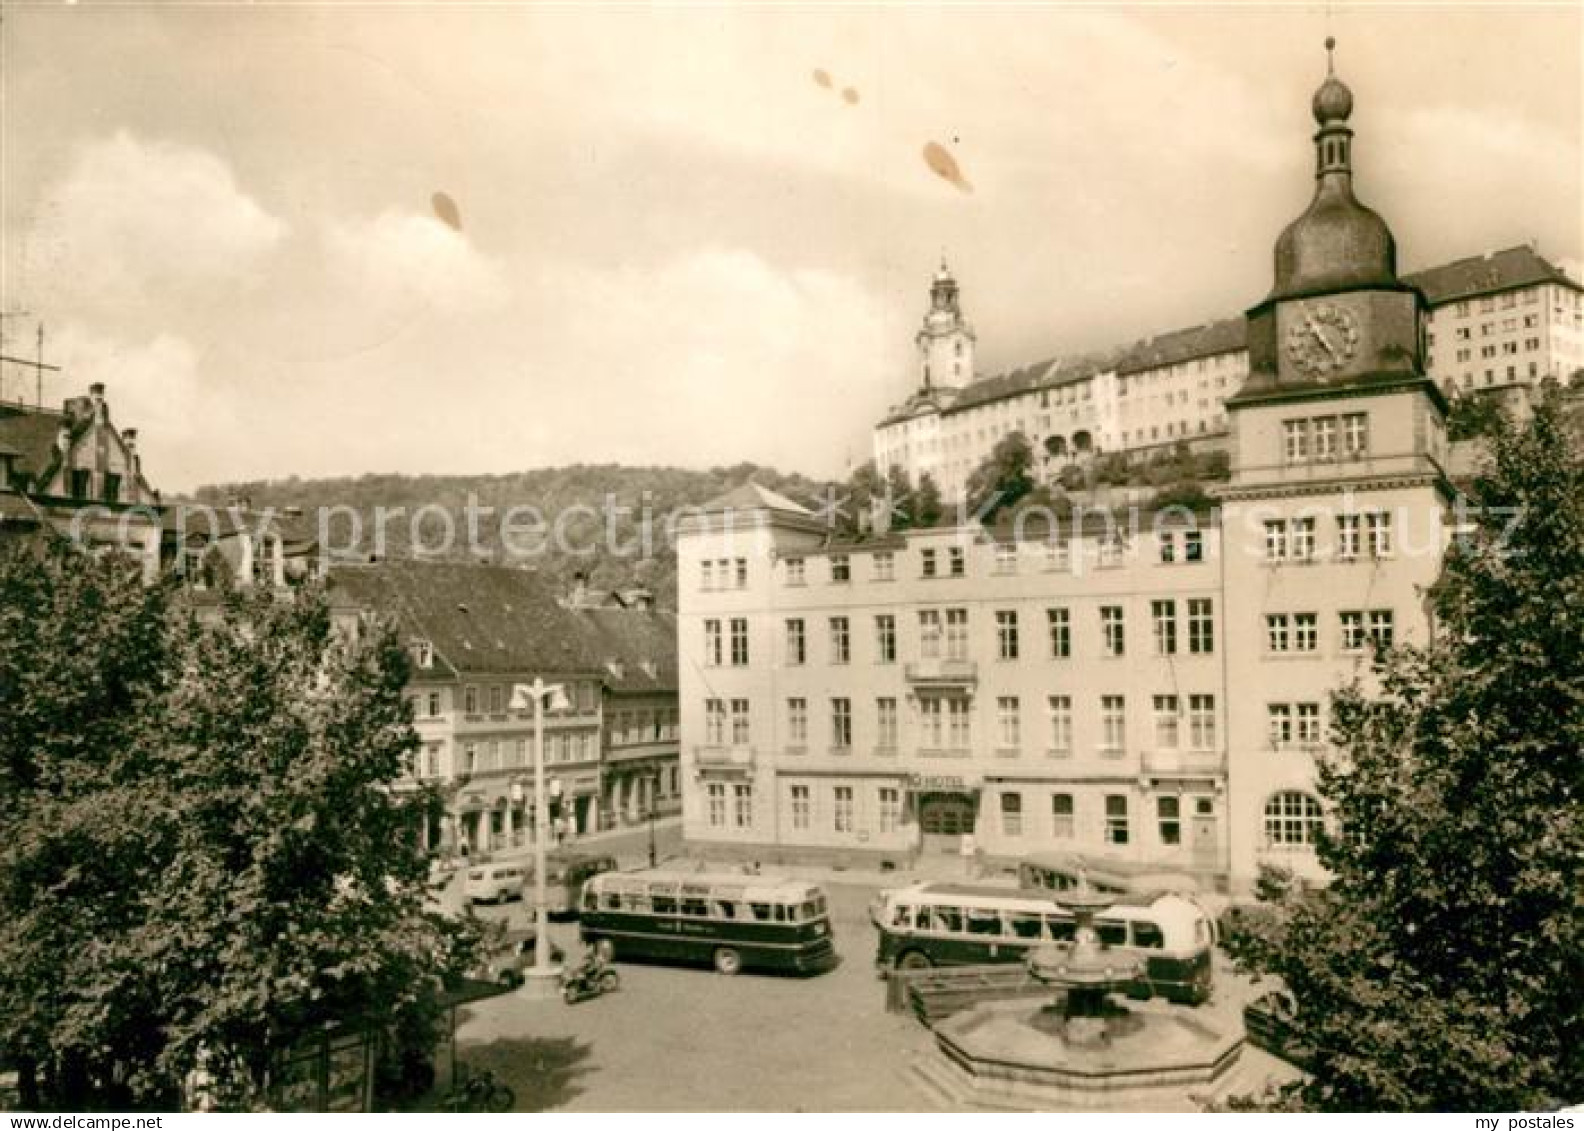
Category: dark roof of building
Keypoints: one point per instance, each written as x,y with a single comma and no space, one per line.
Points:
754,496
637,646
1503,270
479,618
31,433
1226,336
215,521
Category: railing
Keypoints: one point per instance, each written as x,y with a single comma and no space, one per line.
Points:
723,755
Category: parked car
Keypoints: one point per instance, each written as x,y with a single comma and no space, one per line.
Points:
1270,1021
505,961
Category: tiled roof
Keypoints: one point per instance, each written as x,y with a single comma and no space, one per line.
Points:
1225,336
31,433
1520,266
754,496
191,516
638,647
479,618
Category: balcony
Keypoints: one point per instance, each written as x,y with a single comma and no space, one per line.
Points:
1183,762
943,673
716,757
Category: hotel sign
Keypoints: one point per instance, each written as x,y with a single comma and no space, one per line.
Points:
943,783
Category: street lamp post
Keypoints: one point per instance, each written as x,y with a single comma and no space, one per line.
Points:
525,695
654,791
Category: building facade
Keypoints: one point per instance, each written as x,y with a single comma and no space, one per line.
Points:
1502,322
1151,685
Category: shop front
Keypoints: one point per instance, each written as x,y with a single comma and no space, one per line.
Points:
945,808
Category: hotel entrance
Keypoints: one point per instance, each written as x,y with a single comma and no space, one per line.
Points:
944,819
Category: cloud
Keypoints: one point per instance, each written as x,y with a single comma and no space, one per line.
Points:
154,386
131,215
406,262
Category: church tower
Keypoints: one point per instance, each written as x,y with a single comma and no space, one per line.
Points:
1333,523
945,341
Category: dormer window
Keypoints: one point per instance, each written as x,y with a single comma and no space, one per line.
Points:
422,654
80,479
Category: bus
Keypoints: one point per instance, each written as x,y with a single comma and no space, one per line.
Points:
1059,871
945,924
728,920
565,874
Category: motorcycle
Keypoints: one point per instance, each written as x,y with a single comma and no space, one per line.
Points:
586,981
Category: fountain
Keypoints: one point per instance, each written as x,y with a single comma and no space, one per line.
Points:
1083,1049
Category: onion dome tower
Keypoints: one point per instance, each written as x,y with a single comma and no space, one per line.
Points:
945,341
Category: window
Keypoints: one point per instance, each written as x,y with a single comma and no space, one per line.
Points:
1166,722
1303,539
890,809
1306,632
885,566
794,572
1279,725
470,700
1168,814
1116,826
797,721
1278,633
706,575
886,723
840,642
842,810
1006,557
1112,551
1060,633
841,723
929,634
1380,627
1378,533
885,639
957,560
1201,722
1009,730
930,724
1325,437
1055,555
1347,536
715,722
1355,434
432,704
1295,440
1276,541
956,634
1012,814
1193,546
715,793
469,759
712,643
739,642
1201,626
1292,820
957,720
1113,723
1167,543
796,645
1111,630
1308,724
801,810
1062,816
742,573
927,562
1375,626
1164,616
1061,722
739,722
742,805
1007,634
840,569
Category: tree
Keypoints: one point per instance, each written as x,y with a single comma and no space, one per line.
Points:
1439,970
1004,477
900,497
863,489
1474,414
928,510
204,851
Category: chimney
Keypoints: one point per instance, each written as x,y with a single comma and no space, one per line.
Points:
96,397
129,438
580,593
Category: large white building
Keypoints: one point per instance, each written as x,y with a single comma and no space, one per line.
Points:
1503,321
1153,686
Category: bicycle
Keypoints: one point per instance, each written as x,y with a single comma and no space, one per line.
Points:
478,1091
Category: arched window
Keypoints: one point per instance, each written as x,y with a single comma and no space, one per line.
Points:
1292,820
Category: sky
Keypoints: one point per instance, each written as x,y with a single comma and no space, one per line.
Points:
335,239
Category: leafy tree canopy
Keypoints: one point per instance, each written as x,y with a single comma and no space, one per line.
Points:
1005,476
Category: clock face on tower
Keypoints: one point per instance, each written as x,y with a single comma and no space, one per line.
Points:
1321,338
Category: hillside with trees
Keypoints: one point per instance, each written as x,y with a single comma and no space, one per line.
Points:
594,515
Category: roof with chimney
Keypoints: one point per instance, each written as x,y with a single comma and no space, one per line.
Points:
637,646
29,433
479,618
1503,270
